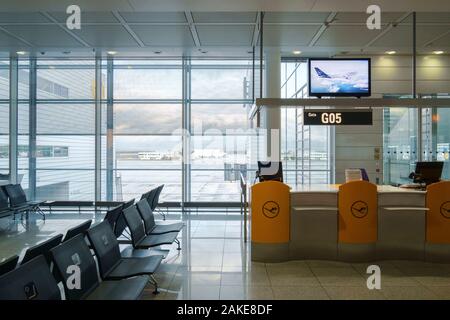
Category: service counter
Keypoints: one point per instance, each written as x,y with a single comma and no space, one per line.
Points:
356,221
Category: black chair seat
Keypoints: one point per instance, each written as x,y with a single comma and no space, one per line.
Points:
130,267
157,240
126,289
165,228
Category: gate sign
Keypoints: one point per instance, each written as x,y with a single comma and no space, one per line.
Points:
323,117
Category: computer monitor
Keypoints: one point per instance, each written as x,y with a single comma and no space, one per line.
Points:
270,171
428,172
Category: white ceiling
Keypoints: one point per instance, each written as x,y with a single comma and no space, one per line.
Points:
220,33
227,5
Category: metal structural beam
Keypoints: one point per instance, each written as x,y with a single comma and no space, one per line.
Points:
63,27
256,30
322,28
387,29
125,25
193,29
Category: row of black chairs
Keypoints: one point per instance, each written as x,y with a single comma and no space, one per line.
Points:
46,264
138,222
13,200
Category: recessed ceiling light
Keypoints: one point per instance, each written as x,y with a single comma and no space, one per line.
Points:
296,52
111,53
391,52
21,53
438,52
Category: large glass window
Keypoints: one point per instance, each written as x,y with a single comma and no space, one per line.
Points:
220,143
65,130
305,150
147,146
143,109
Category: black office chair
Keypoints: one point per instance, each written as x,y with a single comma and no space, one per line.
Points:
112,265
30,281
139,239
9,264
149,221
42,248
75,252
79,229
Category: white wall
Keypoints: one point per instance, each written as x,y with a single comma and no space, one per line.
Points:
355,145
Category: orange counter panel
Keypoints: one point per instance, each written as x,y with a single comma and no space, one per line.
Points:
270,203
358,212
438,216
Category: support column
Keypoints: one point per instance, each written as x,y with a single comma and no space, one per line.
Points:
186,132
98,127
13,117
32,131
271,117
109,131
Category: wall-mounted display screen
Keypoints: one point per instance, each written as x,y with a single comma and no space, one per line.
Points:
339,77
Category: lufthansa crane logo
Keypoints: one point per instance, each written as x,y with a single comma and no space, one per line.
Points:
271,209
359,209
445,209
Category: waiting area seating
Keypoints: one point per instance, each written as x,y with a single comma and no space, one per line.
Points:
94,252
13,200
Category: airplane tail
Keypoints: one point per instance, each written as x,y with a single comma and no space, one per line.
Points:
321,74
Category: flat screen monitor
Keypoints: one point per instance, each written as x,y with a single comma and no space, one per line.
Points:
428,172
339,77
270,171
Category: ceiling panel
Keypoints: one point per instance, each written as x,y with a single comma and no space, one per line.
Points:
165,17
22,17
106,36
164,35
443,42
220,17
225,35
44,36
342,36
356,17
402,36
7,41
87,17
295,17
434,17
288,35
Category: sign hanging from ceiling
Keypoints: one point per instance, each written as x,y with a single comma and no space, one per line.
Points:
323,117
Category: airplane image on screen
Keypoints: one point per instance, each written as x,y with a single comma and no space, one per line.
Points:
340,82
322,74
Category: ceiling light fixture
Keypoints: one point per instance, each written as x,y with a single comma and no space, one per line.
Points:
111,53
438,52
297,52
21,53
391,52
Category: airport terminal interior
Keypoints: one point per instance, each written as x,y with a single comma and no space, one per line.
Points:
225,152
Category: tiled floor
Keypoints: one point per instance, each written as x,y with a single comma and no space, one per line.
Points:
215,264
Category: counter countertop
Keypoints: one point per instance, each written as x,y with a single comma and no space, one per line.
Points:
335,188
